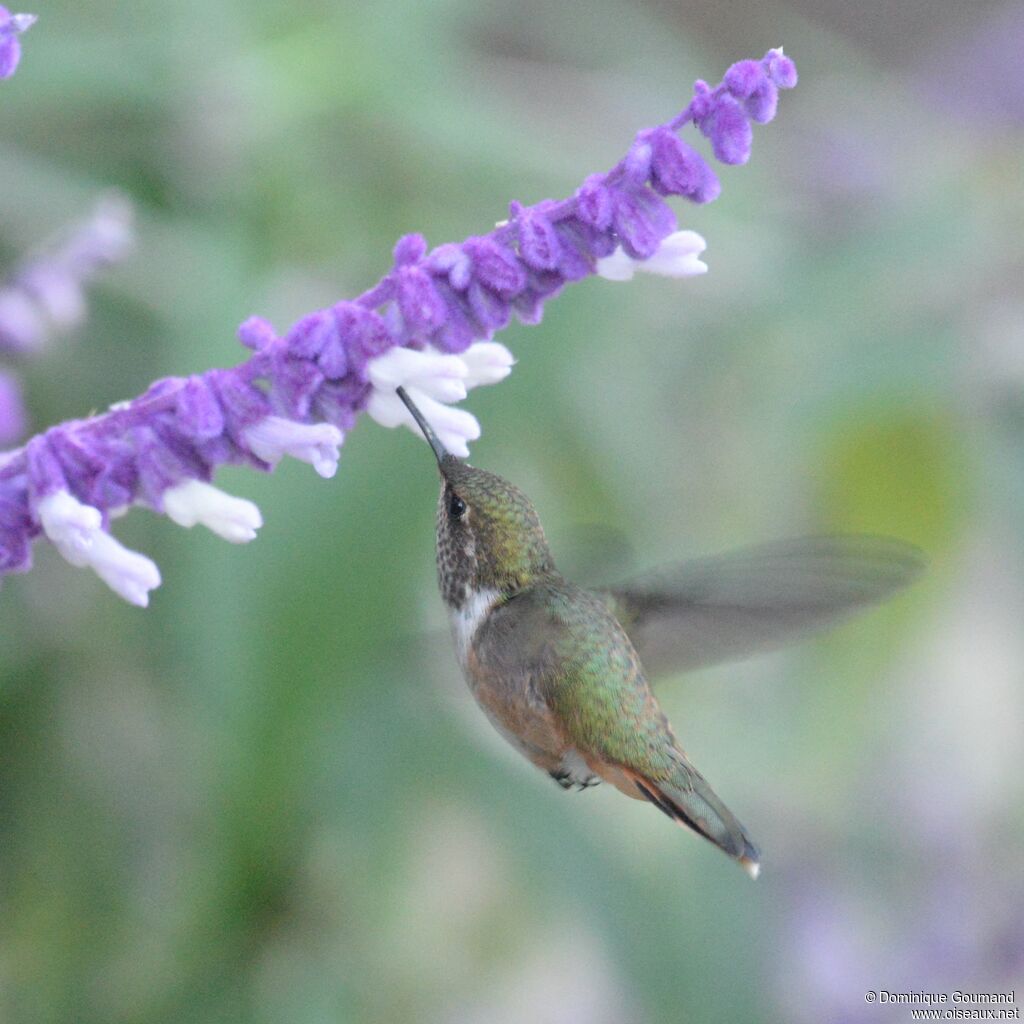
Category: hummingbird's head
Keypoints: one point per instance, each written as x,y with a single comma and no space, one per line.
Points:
488,533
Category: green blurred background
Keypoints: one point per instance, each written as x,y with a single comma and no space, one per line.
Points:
269,798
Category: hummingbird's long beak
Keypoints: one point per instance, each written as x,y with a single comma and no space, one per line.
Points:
433,440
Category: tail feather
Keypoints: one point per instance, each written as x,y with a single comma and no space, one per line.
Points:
689,800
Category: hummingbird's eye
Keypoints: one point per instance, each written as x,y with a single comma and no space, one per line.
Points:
456,507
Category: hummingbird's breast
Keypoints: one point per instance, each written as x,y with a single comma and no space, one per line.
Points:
502,676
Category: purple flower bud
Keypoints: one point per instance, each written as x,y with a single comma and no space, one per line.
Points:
242,403
333,359
578,258
495,267
596,242
340,402
79,459
762,103
158,466
703,100
491,311
307,337
450,259
421,305
642,220
459,330
529,307
637,165
12,413
116,484
410,249
199,413
678,169
295,382
594,203
546,284
729,131
44,473
538,240
16,531
743,78
256,333
781,69
363,333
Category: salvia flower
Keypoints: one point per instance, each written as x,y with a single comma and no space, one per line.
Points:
45,295
678,255
11,27
427,326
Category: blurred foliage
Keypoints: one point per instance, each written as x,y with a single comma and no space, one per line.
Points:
268,798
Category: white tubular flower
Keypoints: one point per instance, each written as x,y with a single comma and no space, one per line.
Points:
677,256
126,572
77,533
488,362
434,373
70,525
434,380
192,502
454,427
273,437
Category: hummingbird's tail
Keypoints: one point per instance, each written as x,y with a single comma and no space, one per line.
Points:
687,799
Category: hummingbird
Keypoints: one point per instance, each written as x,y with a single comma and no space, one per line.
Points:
562,672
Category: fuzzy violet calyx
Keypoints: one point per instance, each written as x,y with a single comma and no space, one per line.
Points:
426,326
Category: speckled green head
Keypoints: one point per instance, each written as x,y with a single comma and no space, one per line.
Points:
488,532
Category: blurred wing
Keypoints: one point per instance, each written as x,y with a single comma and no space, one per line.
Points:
754,600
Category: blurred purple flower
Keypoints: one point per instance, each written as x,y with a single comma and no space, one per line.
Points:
426,325
11,27
987,85
45,294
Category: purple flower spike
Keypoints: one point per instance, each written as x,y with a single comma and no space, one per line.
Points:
12,26
199,413
424,326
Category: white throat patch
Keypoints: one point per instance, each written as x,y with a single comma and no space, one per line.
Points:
466,620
